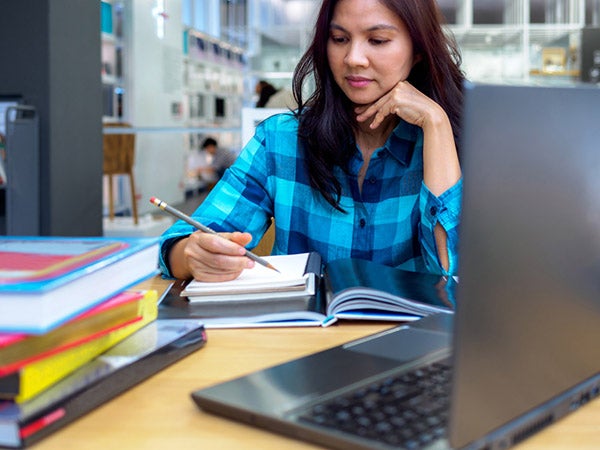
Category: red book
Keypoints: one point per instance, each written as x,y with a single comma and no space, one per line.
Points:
19,349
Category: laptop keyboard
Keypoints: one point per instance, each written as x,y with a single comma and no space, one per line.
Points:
408,410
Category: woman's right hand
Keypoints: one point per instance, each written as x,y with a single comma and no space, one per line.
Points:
208,257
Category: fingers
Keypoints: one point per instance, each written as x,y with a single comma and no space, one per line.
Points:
242,239
373,111
378,112
217,257
403,101
383,107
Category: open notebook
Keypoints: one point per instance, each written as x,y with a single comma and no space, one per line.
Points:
305,295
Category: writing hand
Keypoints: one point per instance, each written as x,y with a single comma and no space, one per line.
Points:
211,258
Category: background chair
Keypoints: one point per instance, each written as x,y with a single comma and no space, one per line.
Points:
265,245
119,157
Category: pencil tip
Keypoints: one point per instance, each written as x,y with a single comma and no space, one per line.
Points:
270,266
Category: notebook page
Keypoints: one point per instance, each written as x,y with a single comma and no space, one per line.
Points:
291,274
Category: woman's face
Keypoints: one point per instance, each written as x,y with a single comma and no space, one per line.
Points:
369,49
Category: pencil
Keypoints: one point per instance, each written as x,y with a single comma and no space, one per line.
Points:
175,212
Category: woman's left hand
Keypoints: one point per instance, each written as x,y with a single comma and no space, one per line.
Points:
404,101
441,168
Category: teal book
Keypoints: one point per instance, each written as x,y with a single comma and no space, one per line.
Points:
46,281
364,290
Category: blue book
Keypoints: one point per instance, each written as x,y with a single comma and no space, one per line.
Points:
45,281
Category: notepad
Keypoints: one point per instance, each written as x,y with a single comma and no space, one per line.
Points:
258,282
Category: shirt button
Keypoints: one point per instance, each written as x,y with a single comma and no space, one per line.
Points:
372,180
362,223
433,210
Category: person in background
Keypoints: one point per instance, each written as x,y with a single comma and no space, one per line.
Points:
264,90
271,97
220,160
366,167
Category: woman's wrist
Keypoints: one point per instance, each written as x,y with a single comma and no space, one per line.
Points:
436,120
177,260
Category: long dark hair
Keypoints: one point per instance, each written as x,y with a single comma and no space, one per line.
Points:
326,118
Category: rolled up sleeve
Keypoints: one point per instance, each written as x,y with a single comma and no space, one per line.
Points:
445,210
239,201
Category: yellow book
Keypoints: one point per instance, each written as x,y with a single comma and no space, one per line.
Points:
34,377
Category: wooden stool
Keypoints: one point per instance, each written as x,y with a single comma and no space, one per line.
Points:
119,156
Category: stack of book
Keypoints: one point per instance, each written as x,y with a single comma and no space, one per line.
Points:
63,303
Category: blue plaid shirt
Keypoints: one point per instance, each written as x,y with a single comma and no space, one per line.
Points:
390,222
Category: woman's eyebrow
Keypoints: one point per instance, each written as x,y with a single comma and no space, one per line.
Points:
382,26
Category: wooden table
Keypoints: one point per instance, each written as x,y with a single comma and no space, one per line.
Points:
159,413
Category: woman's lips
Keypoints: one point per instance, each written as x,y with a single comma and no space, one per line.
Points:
358,82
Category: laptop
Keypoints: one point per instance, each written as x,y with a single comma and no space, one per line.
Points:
522,349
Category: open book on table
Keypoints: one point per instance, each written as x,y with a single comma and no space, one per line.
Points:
307,294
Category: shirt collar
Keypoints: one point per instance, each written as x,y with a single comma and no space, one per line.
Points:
403,140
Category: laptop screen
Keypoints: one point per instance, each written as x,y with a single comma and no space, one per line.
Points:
531,232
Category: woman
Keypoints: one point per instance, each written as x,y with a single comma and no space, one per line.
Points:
366,167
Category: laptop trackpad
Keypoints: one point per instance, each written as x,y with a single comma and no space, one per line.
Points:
402,345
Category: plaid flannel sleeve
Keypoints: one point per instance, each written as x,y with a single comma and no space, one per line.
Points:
239,202
444,210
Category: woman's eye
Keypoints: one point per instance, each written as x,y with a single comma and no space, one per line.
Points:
379,41
338,39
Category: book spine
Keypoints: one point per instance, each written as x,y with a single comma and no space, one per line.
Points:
314,264
110,314
39,375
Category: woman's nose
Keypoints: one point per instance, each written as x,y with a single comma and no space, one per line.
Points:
356,56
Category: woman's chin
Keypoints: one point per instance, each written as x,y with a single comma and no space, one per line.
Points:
361,100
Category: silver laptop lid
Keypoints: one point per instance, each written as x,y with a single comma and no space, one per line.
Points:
528,322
